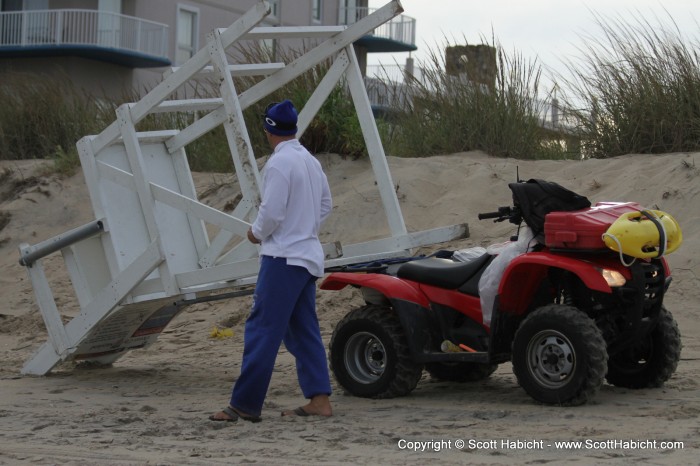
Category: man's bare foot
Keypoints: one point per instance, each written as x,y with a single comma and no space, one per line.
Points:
319,405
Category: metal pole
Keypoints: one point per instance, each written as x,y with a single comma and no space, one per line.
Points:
30,254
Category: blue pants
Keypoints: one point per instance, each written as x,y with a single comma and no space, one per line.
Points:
284,310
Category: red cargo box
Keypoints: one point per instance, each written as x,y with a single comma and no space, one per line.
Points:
582,229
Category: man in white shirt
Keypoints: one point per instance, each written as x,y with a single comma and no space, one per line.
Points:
295,200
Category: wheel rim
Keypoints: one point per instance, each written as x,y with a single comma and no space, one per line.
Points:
551,358
365,357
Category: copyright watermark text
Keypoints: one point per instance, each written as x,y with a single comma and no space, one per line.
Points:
532,444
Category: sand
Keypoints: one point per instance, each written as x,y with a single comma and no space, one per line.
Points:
151,406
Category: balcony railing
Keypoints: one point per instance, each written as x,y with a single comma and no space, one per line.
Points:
401,29
62,28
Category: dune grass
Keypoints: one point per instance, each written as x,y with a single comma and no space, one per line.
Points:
445,113
44,118
637,89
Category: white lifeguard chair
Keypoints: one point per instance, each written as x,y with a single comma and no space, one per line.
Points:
147,254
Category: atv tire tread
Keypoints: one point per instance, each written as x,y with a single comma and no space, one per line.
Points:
666,352
402,376
592,353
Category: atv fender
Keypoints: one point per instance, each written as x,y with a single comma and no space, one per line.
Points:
523,275
392,288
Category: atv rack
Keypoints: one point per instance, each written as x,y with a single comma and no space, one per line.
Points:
147,255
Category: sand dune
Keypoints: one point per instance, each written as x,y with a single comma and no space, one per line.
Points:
151,406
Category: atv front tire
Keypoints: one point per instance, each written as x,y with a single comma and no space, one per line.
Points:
652,361
369,355
559,355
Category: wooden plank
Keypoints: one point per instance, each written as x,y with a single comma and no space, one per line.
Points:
398,245
324,89
199,210
239,144
146,201
243,250
387,192
92,181
236,133
291,32
252,69
231,271
188,105
58,337
219,273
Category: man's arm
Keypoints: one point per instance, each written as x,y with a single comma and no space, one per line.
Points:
273,207
326,200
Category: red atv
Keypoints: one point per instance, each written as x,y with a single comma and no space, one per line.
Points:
583,303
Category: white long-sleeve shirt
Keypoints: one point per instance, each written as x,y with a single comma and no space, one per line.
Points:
296,199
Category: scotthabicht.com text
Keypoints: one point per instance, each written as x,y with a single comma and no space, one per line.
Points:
532,444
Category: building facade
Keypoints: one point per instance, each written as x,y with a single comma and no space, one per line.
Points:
109,47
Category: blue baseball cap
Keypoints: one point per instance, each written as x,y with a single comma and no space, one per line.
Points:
281,118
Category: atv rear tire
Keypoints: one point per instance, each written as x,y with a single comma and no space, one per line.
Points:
369,354
559,355
460,371
652,361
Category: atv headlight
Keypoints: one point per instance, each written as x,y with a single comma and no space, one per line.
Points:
613,277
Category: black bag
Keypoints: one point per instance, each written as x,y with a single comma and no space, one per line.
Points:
536,198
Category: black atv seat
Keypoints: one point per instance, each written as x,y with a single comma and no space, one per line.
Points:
443,273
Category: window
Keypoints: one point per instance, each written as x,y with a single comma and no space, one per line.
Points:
316,12
11,5
274,8
349,11
36,5
187,32
19,5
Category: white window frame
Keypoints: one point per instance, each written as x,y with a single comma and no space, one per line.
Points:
316,11
275,6
195,31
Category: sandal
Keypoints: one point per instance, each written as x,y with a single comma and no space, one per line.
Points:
233,416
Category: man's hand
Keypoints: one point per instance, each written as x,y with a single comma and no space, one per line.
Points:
252,238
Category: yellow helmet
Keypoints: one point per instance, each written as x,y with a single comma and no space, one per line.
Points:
644,234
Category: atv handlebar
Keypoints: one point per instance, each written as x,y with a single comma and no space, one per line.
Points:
512,214
500,215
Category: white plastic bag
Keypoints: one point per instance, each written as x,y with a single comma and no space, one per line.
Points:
465,255
491,278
